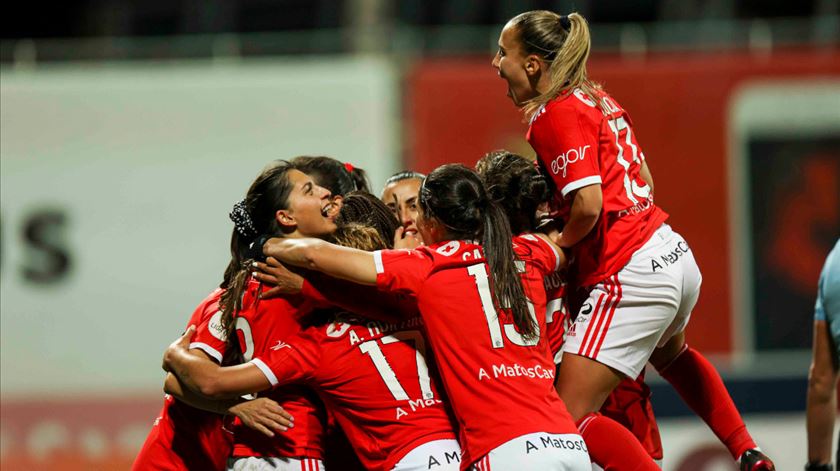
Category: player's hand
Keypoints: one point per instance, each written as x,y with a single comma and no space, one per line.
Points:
264,415
406,241
272,272
179,346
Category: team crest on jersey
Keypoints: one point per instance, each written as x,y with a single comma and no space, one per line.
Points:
337,329
448,249
216,328
584,98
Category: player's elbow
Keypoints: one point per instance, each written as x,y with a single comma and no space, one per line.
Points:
211,388
170,385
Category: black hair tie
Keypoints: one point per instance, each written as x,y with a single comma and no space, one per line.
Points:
565,22
255,248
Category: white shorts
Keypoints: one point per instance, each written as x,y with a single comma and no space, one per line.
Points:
640,308
440,455
542,451
260,463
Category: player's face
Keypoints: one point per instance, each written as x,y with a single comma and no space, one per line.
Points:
427,228
311,208
511,62
401,199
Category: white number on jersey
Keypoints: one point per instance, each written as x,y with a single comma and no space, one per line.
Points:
372,349
482,282
247,348
632,189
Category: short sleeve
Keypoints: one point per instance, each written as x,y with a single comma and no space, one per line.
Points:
295,361
566,141
538,253
210,337
402,271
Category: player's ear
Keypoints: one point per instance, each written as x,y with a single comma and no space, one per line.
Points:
534,65
286,219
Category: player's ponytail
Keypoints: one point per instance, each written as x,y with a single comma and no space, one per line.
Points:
564,43
252,217
455,197
518,186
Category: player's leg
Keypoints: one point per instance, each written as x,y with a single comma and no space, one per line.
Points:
443,455
692,376
629,404
543,451
602,330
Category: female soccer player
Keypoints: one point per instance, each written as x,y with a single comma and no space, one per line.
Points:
282,200
641,276
375,377
521,189
189,433
185,438
495,370
400,194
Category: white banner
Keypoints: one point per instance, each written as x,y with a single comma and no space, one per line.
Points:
116,185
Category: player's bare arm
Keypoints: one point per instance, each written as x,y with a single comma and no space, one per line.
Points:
586,207
644,172
563,261
284,281
207,378
262,414
349,264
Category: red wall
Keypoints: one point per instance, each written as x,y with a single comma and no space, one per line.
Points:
456,110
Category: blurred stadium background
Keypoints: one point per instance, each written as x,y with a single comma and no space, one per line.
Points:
130,128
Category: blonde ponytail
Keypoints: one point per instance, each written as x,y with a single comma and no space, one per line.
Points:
564,43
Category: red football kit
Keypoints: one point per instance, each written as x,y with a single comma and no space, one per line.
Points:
579,145
263,325
376,378
183,437
501,385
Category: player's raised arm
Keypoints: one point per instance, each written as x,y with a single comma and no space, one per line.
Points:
340,262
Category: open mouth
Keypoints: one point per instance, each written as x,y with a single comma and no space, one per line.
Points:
330,210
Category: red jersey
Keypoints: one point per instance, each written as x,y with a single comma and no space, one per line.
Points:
579,145
501,385
376,378
264,325
183,437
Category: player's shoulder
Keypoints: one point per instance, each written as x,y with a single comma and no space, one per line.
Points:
526,244
207,307
533,249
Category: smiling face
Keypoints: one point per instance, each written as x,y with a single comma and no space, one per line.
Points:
311,208
401,199
521,71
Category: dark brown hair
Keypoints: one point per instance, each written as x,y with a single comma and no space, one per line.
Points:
513,182
268,193
454,195
367,210
338,177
